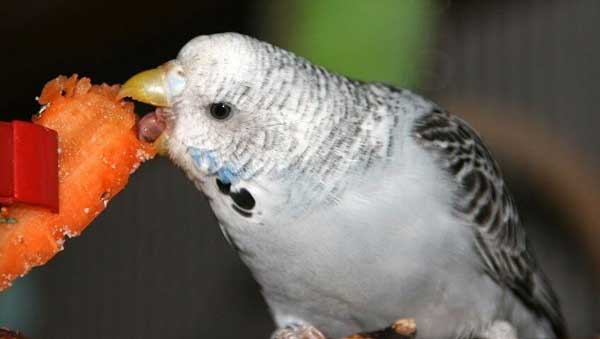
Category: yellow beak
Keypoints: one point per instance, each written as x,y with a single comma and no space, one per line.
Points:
152,87
149,87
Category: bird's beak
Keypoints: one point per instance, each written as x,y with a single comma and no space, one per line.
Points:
149,87
155,87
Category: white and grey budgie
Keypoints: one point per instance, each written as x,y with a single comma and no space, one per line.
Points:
353,204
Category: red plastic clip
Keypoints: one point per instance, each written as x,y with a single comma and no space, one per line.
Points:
28,164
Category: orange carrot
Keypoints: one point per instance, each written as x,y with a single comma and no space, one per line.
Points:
98,150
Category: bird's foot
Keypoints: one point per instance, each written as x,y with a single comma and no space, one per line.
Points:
298,331
401,329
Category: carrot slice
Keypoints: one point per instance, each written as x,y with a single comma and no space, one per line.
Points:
98,150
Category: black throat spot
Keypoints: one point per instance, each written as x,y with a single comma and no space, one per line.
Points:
223,187
243,200
241,211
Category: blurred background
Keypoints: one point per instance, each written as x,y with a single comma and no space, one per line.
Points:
525,73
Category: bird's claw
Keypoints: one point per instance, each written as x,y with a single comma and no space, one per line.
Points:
298,331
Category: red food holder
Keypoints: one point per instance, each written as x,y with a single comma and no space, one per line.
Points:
28,165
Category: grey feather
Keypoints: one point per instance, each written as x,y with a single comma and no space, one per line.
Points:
486,202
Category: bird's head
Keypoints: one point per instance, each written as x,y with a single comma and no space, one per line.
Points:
214,98
240,109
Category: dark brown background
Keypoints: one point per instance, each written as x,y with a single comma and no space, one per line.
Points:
154,265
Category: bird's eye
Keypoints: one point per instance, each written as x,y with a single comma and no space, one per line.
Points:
220,110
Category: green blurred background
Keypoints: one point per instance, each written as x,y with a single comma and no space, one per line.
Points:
375,41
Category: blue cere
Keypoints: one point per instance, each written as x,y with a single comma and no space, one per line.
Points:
204,159
207,160
228,175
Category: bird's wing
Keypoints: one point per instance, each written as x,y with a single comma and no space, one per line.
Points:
487,204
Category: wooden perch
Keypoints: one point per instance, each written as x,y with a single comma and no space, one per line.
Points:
401,329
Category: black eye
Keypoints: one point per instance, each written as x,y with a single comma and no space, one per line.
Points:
220,110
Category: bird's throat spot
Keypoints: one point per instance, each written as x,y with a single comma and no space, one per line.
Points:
243,201
223,187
